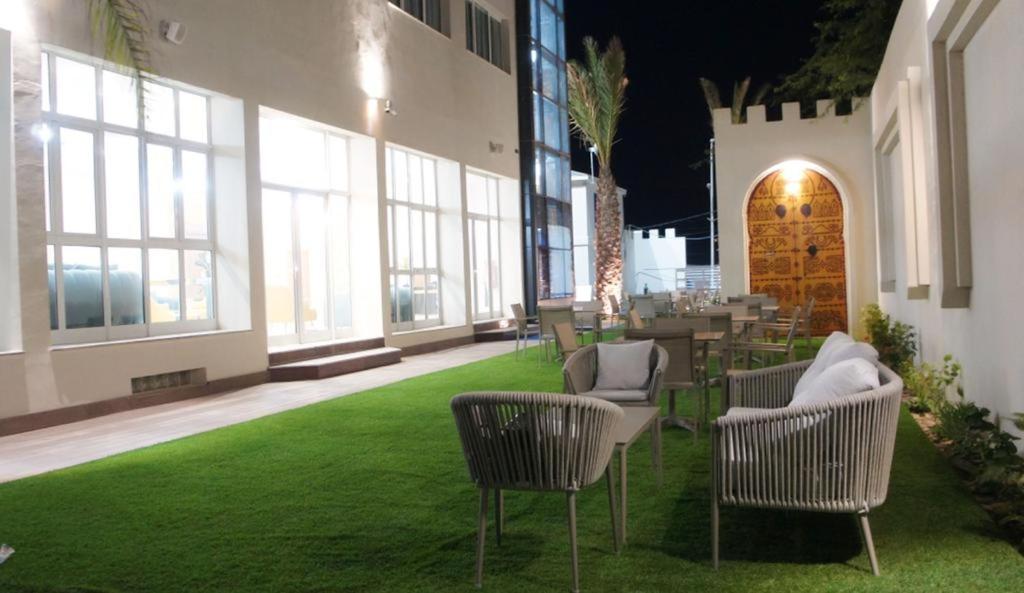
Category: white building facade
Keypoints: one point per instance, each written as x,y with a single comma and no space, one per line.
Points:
655,261
928,173
326,172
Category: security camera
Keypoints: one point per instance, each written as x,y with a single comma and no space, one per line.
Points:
173,31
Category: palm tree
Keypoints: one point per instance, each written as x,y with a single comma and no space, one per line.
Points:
597,98
739,97
123,27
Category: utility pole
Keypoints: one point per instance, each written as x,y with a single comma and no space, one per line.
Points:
711,195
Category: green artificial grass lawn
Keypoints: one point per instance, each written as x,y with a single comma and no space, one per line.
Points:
370,493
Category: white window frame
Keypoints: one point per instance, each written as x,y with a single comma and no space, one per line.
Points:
327,194
57,238
493,222
394,272
501,59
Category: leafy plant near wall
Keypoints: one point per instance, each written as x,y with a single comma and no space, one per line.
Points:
986,455
597,98
928,386
123,27
895,341
988,458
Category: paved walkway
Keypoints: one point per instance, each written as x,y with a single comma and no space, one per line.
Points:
49,449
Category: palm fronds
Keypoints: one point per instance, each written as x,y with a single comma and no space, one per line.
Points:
123,27
597,95
740,91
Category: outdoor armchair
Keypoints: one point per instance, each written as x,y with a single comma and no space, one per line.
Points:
829,457
580,375
539,442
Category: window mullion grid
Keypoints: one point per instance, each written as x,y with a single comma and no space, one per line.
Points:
326,206
296,266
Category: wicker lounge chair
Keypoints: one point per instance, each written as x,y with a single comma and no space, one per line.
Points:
830,457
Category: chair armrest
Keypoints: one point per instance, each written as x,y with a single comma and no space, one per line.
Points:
657,377
771,387
580,370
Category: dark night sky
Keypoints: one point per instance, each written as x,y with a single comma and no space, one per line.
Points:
666,127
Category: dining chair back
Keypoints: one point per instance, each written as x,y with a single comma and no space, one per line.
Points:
565,339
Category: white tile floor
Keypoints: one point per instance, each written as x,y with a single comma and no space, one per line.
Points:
49,449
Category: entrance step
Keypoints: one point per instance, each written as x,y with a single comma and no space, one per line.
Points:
295,353
491,331
336,364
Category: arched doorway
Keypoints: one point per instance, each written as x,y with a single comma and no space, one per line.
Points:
796,247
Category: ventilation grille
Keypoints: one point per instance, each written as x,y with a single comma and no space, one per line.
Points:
168,380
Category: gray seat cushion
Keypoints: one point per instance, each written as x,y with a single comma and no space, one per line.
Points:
618,395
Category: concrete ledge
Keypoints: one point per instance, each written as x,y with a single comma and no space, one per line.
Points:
37,420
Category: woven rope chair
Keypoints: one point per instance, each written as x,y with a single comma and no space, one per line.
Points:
831,458
540,442
579,374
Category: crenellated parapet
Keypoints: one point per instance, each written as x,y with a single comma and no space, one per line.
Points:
824,108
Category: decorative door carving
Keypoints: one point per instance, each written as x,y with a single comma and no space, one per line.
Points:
796,248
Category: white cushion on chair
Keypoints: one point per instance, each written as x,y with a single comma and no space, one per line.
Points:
837,347
846,377
623,366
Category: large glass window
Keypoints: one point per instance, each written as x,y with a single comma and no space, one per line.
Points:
129,203
427,11
484,245
413,240
305,175
487,35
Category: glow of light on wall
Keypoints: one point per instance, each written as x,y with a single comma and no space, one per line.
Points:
792,188
793,171
15,16
370,23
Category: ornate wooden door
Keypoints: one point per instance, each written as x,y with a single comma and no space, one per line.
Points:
796,248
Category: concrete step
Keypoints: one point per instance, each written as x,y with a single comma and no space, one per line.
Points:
495,335
334,365
491,331
288,354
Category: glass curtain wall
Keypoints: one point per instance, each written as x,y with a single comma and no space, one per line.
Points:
544,145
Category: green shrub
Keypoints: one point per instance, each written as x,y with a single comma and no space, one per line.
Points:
928,385
895,341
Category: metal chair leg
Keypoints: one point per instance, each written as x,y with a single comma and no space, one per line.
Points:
613,508
714,530
869,543
571,504
481,536
499,514
656,451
